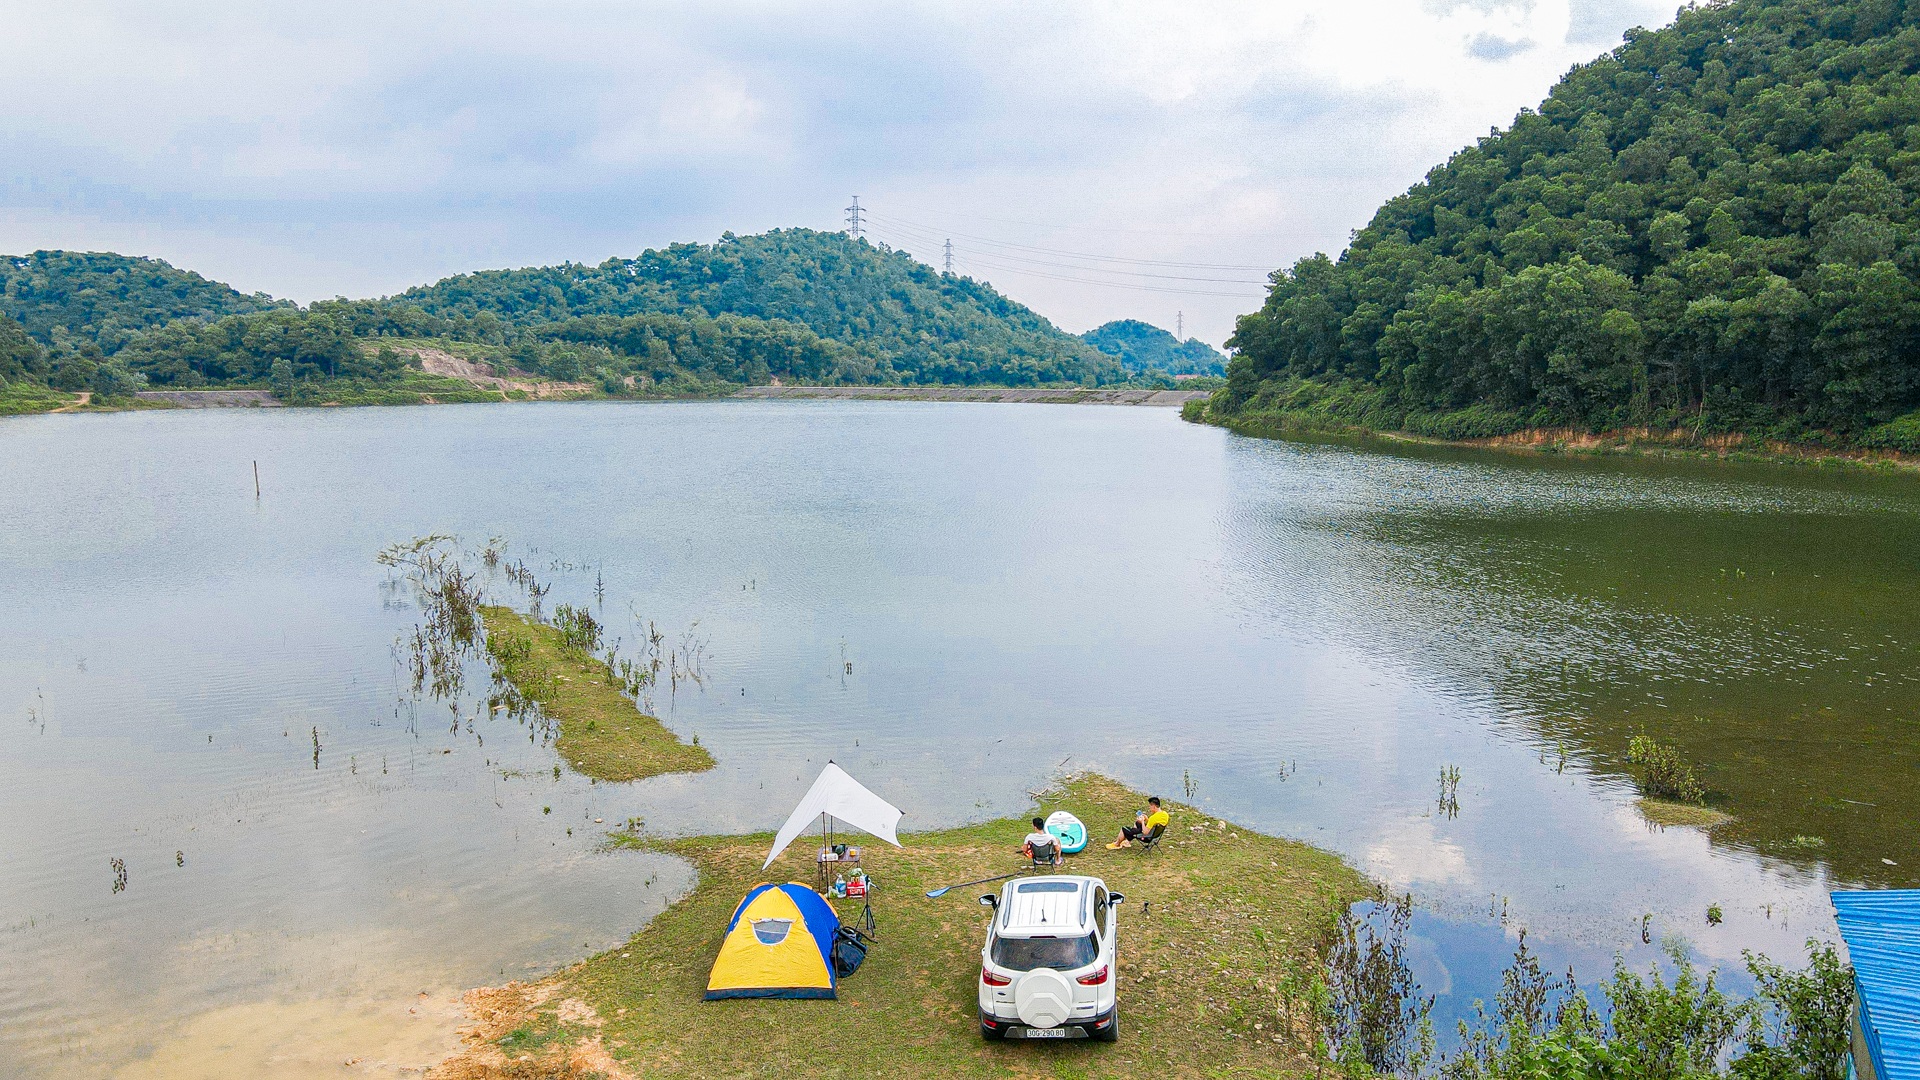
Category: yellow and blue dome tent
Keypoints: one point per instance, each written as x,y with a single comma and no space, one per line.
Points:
779,945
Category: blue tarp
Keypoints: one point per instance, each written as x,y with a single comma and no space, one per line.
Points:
1882,932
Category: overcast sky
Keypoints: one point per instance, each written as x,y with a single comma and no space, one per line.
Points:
1087,158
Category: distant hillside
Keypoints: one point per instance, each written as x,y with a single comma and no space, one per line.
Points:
1710,228
914,324
67,298
1143,347
794,305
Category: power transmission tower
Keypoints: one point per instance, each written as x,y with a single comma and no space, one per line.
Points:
1180,325
949,256
854,224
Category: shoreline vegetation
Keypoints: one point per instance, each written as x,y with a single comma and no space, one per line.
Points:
1317,416
1223,934
480,385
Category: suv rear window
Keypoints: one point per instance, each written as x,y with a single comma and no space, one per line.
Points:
1061,954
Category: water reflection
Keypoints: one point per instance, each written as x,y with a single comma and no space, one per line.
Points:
950,600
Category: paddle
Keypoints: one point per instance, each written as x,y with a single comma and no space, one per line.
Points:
937,893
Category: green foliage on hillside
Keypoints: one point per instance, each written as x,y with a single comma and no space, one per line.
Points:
69,299
1711,226
279,346
21,357
907,322
1142,348
794,305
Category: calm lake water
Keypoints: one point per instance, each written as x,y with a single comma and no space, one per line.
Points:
202,685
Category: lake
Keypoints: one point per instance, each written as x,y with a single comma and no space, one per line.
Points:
233,838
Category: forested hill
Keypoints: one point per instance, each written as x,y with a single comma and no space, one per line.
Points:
1143,348
1710,227
914,323
793,305
70,297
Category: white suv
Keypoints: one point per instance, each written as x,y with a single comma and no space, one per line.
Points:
1049,968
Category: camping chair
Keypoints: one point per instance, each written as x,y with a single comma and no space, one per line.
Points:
1046,856
1152,838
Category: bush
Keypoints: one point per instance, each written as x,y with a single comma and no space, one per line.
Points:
1473,422
1664,773
1902,434
1796,1025
113,380
1800,1029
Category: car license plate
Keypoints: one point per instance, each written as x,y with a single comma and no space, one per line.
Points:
1044,1033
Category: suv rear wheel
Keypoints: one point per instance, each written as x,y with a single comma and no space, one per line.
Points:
1111,1033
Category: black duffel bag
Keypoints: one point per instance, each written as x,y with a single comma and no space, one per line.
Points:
849,951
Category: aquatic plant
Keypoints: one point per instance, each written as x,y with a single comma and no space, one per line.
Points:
450,598
580,632
1376,1015
1664,774
1450,791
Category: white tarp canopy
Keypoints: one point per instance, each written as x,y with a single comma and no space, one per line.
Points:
843,797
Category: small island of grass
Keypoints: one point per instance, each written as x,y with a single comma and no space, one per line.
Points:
601,732
1223,932
1685,815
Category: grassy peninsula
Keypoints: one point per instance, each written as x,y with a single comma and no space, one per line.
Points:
601,733
1223,933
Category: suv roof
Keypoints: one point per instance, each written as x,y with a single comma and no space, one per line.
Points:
1052,906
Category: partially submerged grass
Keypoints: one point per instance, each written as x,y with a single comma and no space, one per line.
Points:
602,733
1666,812
1223,934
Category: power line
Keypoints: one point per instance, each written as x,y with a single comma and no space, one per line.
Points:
1024,260
1057,226
1024,271
1056,264
933,231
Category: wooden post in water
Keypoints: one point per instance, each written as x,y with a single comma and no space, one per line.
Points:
256,481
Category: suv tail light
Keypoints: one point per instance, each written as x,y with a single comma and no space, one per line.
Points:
1095,978
987,976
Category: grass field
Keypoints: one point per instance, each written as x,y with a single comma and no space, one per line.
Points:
602,733
1222,932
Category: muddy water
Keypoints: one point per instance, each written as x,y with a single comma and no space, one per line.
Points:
1299,636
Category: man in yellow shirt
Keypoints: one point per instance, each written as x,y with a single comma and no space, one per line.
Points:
1148,822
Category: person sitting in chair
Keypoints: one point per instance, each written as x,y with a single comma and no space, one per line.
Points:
1040,845
1148,824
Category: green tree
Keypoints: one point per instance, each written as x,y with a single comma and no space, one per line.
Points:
1711,225
21,357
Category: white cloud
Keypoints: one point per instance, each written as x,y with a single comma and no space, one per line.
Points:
405,141
1413,853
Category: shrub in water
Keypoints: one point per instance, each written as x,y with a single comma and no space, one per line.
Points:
1664,773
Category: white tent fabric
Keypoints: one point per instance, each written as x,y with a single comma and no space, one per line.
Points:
842,796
